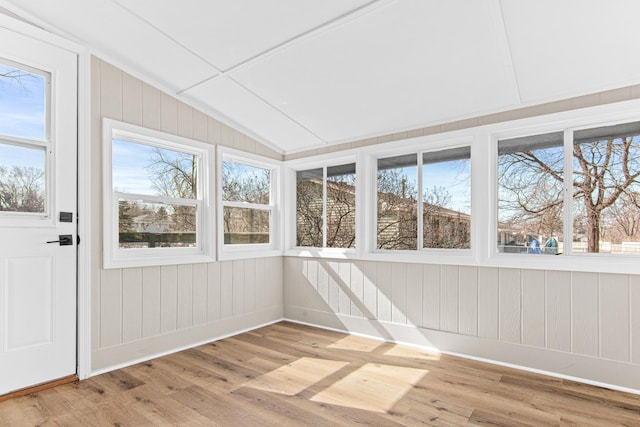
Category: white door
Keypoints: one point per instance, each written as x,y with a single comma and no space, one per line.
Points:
38,145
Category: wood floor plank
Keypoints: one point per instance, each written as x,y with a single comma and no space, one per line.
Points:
296,375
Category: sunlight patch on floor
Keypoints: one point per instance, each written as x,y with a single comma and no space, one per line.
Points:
373,387
413,353
355,343
297,376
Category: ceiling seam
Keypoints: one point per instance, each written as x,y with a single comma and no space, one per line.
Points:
289,41
126,9
306,33
285,115
510,51
227,72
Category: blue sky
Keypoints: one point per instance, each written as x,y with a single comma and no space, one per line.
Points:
131,162
22,115
22,105
454,176
11,155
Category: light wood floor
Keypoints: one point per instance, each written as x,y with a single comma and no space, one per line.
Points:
290,375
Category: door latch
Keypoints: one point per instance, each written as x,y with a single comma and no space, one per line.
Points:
64,240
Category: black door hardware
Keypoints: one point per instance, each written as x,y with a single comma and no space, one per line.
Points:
66,216
64,240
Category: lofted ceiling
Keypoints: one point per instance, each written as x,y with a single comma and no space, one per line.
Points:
302,74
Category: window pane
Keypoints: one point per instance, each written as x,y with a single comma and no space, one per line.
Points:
22,103
243,226
446,186
156,225
309,208
530,194
142,169
244,183
397,205
341,206
606,189
22,179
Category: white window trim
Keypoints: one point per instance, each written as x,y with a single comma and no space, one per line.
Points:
568,122
417,145
483,141
323,162
420,146
113,256
253,250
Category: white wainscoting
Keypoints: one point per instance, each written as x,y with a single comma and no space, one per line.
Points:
583,325
148,311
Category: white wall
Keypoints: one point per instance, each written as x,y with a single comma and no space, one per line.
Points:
138,313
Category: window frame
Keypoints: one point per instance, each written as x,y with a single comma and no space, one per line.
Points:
250,250
324,166
419,146
568,123
46,218
566,213
324,162
568,202
113,255
483,140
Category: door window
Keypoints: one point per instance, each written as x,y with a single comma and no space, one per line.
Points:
23,140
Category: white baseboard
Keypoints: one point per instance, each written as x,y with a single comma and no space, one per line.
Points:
590,370
123,355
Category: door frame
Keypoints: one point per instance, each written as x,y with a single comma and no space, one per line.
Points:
83,178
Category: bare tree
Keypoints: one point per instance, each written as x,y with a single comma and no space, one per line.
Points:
176,176
443,227
626,217
608,169
242,184
531,191
397,211
531,185
249,185
309,225
21,189
14,75
341,211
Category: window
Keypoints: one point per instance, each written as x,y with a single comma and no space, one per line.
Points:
157,197
606,189
24,142
326,207
424,194
446,202
248,203
601,209
397,189
530,194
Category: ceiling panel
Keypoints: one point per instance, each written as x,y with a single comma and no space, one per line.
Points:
399,66
242,107
303,73
226,33
572,47
110,30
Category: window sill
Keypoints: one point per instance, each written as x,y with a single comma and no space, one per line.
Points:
247,252
595,263
156,261
423,257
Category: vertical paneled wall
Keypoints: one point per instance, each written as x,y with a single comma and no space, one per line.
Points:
140,312
569,313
